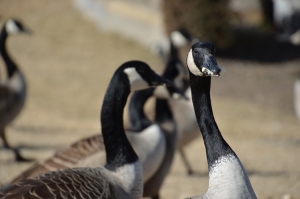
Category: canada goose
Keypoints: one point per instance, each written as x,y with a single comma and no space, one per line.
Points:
164,117
297,97
227,176
146,138
121,177
13,91
179,38
182,110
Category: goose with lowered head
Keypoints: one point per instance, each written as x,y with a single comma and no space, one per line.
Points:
147,139
121,177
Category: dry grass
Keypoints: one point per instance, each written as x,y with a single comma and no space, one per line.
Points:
68,64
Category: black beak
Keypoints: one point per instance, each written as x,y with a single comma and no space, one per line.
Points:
210,66
158,80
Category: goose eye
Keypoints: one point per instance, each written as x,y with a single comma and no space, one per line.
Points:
196,51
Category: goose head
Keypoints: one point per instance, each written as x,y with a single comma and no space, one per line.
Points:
141,76
201,60
13,26
182,37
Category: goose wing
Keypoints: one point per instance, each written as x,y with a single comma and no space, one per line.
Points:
79,154
64,184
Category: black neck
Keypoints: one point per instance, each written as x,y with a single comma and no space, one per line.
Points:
215,145
118,148
171,71
173,50
137,117
10,65
162,111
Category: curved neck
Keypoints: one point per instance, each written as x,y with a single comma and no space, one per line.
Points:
118,149
137,117
171,71
215,145
162,111
10,65
174,65
173,50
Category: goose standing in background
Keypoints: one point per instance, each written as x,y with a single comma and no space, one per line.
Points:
121,177
183,110
146,138
164,117
227,176
13,91
297,97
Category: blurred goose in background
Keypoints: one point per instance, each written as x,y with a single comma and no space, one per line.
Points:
297,97
13,91
179,38
182,110
146,138
164,117
121,177
227,176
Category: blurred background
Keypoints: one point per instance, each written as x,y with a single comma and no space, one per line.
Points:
76,46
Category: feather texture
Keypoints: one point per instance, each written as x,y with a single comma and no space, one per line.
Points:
70,183
88,152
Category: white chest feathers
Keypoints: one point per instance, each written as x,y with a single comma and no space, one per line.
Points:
228,179
150,146
129,177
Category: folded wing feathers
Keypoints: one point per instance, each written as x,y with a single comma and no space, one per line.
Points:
71,183
67,158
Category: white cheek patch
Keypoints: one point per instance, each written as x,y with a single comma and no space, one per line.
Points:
135,80
192,66
11,27
178,39
161,92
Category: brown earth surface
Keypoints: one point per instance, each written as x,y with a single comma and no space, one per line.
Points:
68,63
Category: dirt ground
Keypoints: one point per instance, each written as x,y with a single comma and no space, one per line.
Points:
68,63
